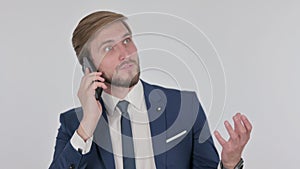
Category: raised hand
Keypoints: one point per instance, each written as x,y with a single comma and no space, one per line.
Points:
239,136
92,109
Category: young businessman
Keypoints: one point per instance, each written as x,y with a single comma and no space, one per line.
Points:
135,124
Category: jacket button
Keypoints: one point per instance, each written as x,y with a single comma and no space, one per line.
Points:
72,166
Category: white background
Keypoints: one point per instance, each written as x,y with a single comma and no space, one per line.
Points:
258,43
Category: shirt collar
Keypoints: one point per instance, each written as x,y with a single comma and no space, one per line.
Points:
134,97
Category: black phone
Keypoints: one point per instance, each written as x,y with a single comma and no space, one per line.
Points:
87,63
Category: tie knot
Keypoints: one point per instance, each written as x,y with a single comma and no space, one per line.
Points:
123,105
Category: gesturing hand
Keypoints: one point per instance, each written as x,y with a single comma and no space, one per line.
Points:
239,136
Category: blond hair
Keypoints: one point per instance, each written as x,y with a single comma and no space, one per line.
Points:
89,25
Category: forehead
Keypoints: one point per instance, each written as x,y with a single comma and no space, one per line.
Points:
113,31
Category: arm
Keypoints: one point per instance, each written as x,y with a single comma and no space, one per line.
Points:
205,155
65,155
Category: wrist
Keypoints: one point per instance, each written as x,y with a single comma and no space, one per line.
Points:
82,133
238,165
88,124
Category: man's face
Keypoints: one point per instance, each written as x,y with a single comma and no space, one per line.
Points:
115,54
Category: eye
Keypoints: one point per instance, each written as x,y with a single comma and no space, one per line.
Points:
108,48
126,41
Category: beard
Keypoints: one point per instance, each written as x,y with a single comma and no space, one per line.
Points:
118,81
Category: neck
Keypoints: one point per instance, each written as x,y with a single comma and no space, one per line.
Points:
119,92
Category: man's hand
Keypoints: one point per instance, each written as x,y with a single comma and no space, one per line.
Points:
92,109
239,136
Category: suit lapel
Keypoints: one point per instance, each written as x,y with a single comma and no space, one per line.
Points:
156,101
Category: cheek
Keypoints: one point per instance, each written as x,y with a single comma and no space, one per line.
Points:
108,64
132,48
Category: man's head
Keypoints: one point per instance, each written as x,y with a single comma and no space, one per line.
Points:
106,38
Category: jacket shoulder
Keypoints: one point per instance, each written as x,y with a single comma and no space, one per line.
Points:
167,90
70,119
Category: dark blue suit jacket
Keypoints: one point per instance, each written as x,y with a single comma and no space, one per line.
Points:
170,112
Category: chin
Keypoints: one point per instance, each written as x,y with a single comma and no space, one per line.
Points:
127,83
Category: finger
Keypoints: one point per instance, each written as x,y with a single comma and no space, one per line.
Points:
98,78
87,74
95,74
86,71
95,85
247,123
90,79
92,88
232,134
238,126
240,130
220,139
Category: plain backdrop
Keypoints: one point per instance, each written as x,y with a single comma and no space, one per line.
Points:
257,44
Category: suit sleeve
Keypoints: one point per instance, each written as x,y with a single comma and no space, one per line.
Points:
205,155
65,156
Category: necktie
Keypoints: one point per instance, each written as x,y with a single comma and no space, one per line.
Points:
127,140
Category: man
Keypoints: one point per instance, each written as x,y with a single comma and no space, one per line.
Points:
135,124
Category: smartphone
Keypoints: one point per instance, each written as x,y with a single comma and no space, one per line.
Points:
87,63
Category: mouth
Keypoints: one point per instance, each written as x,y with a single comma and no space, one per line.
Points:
126,65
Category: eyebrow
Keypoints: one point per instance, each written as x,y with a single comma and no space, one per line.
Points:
110,41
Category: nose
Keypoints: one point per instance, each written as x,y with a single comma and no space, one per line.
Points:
123,51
